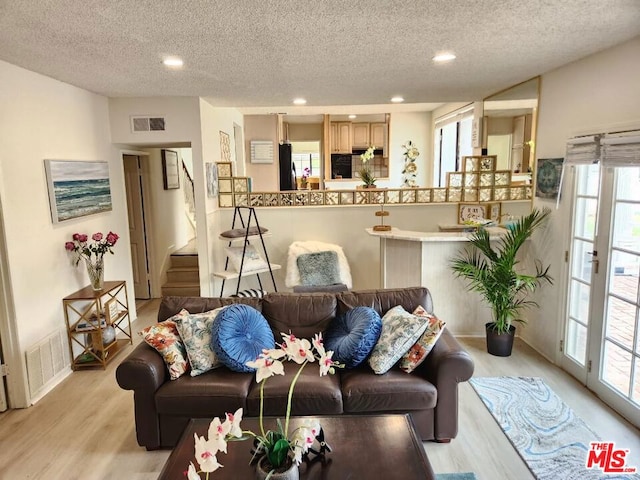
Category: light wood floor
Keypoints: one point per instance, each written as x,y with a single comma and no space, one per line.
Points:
84,428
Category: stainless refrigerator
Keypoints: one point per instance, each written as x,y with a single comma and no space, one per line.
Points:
287,168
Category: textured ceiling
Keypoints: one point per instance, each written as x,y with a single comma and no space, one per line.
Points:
332,52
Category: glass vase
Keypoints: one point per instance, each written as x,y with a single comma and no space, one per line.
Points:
95,269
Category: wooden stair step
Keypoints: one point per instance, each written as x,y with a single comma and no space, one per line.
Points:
178,260
181,289
183,274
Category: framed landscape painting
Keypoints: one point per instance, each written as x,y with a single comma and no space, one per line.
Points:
77,188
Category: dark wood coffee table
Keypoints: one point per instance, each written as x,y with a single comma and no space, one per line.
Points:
364,446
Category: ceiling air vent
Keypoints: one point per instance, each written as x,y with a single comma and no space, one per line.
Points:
147,124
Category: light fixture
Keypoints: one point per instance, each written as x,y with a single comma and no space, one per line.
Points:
444,57
299,101
173,62
352,116
397,99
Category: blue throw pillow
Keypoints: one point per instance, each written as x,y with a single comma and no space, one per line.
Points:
238,335
353,335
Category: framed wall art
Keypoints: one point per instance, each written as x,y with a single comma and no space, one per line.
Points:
548,175
212,179
224,169
111,311
225,146
471,211
77,188
170,171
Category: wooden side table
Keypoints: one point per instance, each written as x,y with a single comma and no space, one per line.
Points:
94,320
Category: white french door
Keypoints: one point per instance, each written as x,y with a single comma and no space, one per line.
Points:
602,325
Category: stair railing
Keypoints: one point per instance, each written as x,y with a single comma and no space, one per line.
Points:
189,195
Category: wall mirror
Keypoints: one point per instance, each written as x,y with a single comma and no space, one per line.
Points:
509,128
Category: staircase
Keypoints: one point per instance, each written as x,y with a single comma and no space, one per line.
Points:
183,276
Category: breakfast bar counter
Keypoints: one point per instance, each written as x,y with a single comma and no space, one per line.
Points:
409,258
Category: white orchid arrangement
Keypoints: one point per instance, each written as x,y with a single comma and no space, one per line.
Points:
365,172
278,446
411,153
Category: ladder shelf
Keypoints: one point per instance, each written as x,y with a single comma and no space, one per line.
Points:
249,226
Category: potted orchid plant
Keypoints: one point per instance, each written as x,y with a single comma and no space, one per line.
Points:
280,451
366,175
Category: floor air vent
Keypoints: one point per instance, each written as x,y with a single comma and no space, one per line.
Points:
45,361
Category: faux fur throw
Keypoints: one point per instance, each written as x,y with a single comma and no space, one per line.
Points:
299,248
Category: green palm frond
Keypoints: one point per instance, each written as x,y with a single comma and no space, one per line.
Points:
490,270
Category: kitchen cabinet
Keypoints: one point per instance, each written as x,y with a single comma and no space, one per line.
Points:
341,137
378,136
360,133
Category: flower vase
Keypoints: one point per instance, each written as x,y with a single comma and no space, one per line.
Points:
264,467
96,273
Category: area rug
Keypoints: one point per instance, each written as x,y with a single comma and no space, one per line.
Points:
456,476
547,434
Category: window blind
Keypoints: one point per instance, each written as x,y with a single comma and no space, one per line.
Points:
621,150
583,150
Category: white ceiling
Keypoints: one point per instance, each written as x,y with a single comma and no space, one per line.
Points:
332,52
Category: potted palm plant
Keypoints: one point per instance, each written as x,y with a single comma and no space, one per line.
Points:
491,271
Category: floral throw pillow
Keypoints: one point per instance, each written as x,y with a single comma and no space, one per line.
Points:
165,339
419,351
195,332
400,330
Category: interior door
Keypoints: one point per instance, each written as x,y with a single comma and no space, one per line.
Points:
137,230
602,336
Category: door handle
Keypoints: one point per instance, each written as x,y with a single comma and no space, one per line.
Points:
596,265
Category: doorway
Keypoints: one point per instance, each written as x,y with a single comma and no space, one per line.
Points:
135,193
602,323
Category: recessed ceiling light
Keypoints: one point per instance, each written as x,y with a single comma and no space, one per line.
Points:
444,57
299,101
352,116
397,99
173,62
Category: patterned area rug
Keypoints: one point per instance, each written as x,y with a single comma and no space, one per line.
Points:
547,434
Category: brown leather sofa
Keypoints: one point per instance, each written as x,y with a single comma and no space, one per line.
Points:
429,394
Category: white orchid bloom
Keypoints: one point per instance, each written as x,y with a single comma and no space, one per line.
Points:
327,363
192,473
300,351
273,353
234,420
318,343
266,367
302,439
206,454
217,433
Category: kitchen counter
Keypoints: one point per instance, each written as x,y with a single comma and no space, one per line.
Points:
409,235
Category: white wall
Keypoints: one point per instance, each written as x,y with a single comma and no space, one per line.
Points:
42,118
414,126
213,120
596,94
265,176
